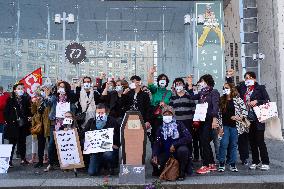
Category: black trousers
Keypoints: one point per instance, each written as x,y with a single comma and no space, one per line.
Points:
20,141
156,122
257,144
243,146
205,139
41,145
181,154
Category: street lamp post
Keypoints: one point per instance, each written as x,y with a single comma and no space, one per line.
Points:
57,20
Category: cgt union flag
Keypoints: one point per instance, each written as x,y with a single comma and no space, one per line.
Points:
32,82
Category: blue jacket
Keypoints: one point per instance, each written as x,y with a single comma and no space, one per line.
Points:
184,139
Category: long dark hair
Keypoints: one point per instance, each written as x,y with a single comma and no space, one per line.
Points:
223,101
160,77
67,88
14,88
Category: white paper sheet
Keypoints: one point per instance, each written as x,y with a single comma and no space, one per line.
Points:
98,141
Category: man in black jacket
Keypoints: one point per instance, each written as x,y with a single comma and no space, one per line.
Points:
137,100
103,159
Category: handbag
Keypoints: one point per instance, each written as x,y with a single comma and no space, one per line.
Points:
20,120
266,112
171,170
37,128
158,110
81,118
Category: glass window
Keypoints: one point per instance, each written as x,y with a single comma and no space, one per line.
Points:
109,44
52,69
41,55
108,53
41,45
73,71
6,65
31,43
32,55
53,46
92,63
7,52
117,45
126,45
100,53
92,52
117,54
100,63
53,57
8,41
83,71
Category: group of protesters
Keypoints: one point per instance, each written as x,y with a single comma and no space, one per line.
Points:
167,109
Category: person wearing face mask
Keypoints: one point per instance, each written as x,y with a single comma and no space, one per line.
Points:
183,105
233,111
63,101
17,114
40,111
160,98
88,98
253,95
109,160
135,99
4,96
207,127
172,137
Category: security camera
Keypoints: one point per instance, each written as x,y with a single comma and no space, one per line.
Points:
71,19
187,19
254,57
57,19
200,19
261,56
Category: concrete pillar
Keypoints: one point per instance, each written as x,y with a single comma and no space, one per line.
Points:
271,43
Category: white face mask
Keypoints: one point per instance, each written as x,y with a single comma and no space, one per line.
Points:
20,92
179,88
132,86
118,88
67,121
202,85
42,93
226,91
167,119
61,90
162,83
249,82
87,85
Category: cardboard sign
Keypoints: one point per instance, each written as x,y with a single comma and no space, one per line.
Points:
98,141
68,149
131,174
5,154
200,112
62,108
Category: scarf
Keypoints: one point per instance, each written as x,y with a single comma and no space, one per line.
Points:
170,130
248,94
85,100
204,92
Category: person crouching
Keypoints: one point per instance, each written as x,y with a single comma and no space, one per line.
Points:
172,138
107,159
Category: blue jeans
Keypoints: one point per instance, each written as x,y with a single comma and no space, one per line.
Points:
51,147
99,160
229,142
2,131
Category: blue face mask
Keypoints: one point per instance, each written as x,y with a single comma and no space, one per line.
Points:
101,120
100,124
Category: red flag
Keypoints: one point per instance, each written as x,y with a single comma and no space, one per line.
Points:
32,81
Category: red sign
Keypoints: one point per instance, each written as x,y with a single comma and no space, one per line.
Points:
32,82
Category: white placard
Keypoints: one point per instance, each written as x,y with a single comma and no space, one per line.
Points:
62,108
98,141
5,153
67,147
200,112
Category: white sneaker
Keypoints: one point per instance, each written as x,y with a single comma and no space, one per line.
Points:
264,167
254,166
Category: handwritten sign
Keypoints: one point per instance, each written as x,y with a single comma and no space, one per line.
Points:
131,174
62,108
98,141
5,153
134,124
200,112
68,148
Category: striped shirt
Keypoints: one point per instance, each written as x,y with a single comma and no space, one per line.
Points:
183,106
